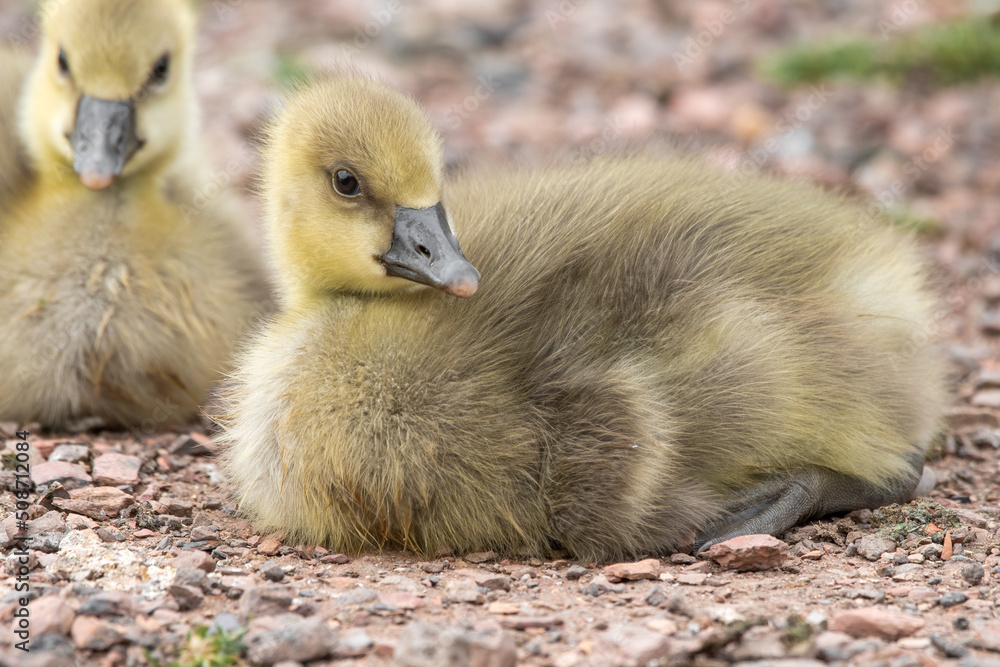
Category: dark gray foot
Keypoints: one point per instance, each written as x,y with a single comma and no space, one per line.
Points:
778,503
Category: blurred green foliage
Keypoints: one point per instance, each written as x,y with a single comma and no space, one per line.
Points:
938,55
913,222
290,73
205,648
901,522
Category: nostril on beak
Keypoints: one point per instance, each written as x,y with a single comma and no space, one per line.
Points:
424,251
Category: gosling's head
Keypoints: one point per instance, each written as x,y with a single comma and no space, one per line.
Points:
352,179
110,95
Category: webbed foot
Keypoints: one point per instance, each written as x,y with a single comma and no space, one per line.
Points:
780,502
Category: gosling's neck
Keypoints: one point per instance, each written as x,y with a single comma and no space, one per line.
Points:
301,299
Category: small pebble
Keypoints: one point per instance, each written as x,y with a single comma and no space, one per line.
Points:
952,599
655,597
973,573
271,571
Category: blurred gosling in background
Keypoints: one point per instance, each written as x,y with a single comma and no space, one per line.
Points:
120,299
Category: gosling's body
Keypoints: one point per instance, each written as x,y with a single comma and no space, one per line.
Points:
657,352
121,304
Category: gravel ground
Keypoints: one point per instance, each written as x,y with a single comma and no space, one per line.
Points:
136,543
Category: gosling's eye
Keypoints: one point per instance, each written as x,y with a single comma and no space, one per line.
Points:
63,63
346,183
161,70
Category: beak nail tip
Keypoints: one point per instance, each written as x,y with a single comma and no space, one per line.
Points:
97,181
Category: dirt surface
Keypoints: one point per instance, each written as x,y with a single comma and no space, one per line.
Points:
142,545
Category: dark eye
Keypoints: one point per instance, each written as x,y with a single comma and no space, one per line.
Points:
346,183
63,63
161,70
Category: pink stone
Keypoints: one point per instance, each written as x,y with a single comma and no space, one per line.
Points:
402,601
115,469
748,553
644,569
269,546
872,622
195,560
93,634
70,475
50,615
112,500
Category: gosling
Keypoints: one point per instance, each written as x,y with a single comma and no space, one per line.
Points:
659,355
123,291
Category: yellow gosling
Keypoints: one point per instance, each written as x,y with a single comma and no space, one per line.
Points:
658,354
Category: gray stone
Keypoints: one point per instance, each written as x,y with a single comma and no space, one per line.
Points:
355,643
423,645
973,573
271,571
575,572
187,597
50,522
766,646
225,622
952,599
630,646
266,601
296,638
109,535
932,551
464,590
872,547
188,576
357,596
70,453
950,649
655,597
433,567
491,581
204,533
108,603
195,559
600,585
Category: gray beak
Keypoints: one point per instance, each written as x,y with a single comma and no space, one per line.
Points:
103,140
425,251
